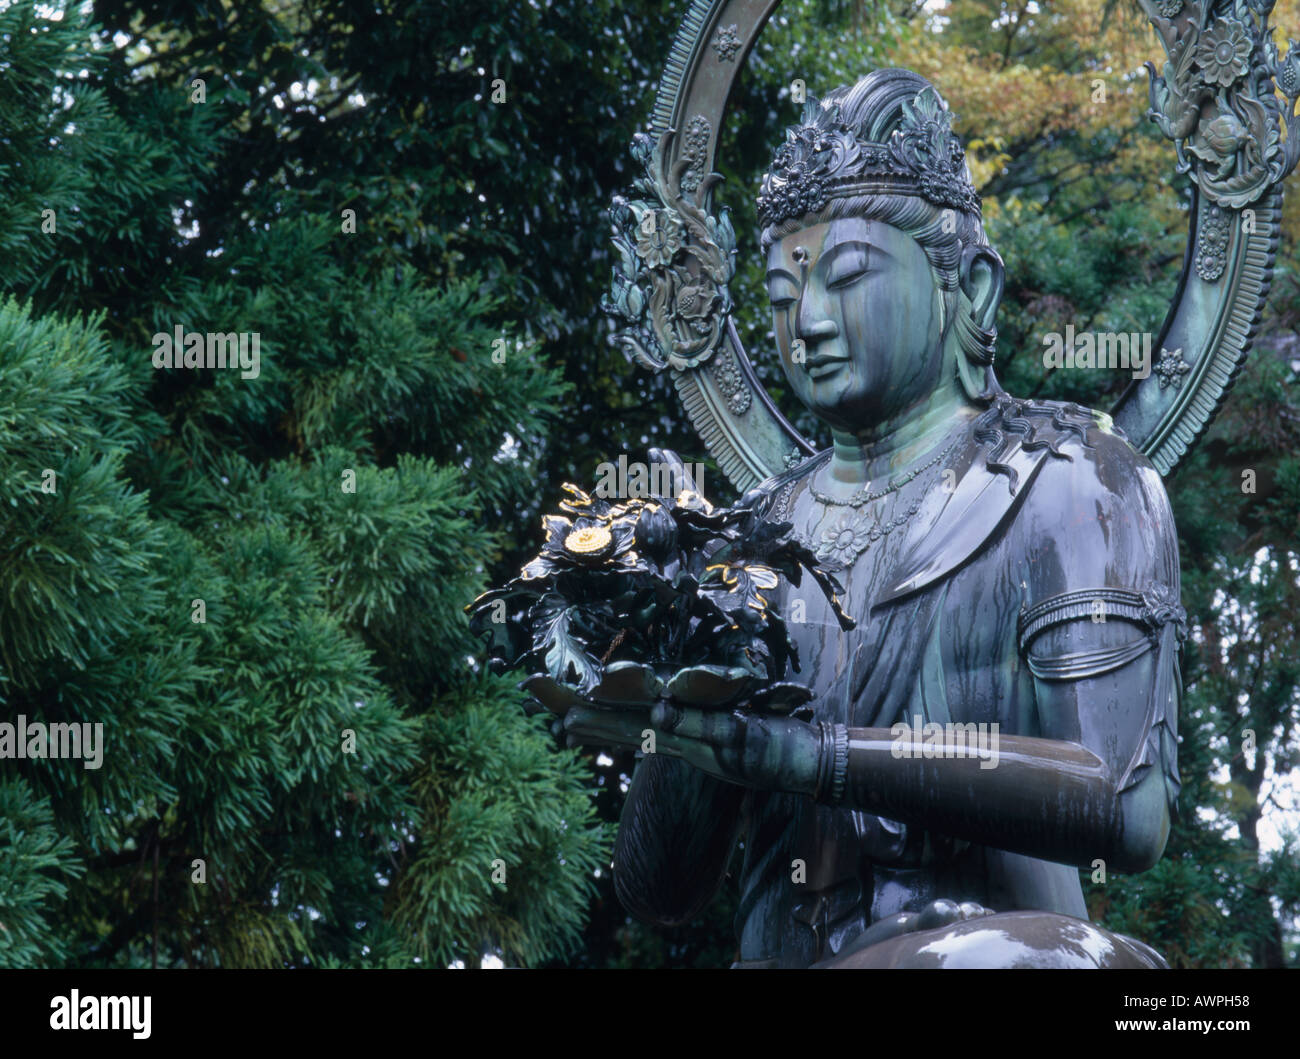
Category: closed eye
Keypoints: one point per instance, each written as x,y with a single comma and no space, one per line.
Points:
783,295
847,278
782,288
847,264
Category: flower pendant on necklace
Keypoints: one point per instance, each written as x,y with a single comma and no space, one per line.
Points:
841,545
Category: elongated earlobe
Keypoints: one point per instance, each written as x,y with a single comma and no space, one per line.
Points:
981,278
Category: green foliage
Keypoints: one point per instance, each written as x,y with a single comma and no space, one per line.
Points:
256,585
35,864
509,844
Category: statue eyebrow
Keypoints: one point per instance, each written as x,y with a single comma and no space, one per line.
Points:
835,252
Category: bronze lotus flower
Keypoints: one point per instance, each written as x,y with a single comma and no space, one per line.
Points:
1224,53
1224,134
656,531
1288,71
599,537
659,244
695,303
664,598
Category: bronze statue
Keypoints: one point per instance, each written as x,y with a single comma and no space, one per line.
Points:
979,540
1004,709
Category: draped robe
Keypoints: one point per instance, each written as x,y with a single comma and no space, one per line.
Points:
1034,519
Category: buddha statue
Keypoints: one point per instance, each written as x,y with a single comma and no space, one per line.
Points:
1004,712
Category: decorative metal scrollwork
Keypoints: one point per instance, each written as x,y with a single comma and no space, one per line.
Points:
1215,98
675,258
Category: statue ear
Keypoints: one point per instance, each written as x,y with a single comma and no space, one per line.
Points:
982,277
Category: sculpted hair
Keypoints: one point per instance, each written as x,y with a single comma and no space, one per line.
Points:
874,105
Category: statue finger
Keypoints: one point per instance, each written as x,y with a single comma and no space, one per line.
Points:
715,727
604,727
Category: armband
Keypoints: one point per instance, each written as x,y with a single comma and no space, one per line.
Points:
1152,609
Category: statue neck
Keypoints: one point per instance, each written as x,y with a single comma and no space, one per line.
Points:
893,445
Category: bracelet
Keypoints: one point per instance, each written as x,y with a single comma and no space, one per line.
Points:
833,763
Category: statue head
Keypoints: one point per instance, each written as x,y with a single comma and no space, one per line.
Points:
884,287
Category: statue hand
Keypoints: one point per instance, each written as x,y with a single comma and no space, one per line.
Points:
588,726
764,752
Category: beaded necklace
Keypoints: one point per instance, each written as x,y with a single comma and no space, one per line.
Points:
841,545
866,496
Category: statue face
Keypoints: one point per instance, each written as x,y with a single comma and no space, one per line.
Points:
860,297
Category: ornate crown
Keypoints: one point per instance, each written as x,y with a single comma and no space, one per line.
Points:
824,158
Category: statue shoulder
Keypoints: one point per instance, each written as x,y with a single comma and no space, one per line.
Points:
1061,477
1098,513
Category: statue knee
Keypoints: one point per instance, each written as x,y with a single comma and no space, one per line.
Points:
1038,940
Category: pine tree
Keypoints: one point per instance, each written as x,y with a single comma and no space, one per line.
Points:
254,578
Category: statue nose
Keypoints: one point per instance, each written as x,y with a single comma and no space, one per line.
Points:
812,329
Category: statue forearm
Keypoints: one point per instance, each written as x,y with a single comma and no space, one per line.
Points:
675,837
1044,798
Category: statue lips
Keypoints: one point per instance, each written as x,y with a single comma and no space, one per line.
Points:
831,363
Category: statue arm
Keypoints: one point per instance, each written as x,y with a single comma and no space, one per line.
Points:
1097,778
1095,775
1054,799
678,829
1099,634
1071,798
1047,798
